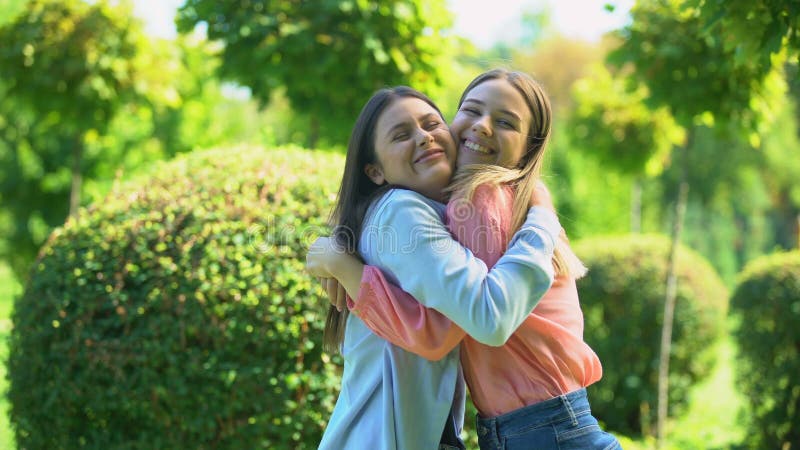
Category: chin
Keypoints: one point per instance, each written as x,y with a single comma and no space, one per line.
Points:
441,178
473,160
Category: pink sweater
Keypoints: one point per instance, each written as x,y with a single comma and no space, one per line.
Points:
544,358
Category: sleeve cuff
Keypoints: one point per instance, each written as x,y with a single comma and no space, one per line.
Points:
546,220
361,301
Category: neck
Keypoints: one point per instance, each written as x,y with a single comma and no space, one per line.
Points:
435,194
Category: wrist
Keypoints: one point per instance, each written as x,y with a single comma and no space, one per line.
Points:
334,257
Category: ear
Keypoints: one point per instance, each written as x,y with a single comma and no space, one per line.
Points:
375,173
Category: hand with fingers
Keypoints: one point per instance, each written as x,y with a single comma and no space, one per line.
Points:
339,272
541,197
337,296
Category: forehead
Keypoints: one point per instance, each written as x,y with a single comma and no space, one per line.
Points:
499,94
404,109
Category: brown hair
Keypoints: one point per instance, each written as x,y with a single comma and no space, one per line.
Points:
357,191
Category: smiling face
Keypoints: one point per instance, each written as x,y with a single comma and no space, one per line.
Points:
413,147
491,125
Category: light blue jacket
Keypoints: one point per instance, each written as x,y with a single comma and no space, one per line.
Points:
392,399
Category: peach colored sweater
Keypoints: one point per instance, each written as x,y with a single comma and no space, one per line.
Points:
544,358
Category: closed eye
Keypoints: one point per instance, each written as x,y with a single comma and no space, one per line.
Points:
432,125
506,124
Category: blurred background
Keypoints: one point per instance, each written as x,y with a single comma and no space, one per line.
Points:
676,118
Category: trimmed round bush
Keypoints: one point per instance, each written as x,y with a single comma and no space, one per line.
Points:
766,309
177,313
623,303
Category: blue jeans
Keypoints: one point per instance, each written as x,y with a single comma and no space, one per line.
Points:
561,423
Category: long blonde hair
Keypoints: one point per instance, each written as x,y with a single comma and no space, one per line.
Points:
525,175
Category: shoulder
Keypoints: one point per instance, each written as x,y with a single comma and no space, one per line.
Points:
488,200
489,194
399,203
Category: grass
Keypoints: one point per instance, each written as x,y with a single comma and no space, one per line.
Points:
710,423
712,419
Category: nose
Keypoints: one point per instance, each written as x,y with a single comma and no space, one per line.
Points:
482,125
425,138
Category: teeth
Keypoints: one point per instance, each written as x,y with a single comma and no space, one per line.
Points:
476,147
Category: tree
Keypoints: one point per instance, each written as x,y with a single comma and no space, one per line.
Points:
71,60
697,76
329,56
781,167
618,129
558,62
65,68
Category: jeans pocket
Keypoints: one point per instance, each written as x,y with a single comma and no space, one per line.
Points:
586,435
543,437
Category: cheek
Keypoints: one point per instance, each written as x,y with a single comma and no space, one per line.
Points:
388,159
445,136
521,147
512,153
457,127
382,152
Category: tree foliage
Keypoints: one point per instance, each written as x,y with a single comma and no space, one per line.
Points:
557,63
616,126
329,56
720,89
753,30
691,72
171,102
70,60
65,70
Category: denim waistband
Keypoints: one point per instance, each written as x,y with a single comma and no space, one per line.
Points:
557,409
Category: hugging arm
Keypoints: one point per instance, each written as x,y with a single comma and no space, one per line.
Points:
480,225
433,268
396,316
384,307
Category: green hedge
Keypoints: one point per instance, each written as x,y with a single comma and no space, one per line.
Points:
766,310
623,302
177,313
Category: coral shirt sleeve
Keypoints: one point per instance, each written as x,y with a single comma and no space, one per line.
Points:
396,316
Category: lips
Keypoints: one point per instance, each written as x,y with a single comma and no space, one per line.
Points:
428,154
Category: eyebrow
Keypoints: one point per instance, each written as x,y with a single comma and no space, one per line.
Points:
504,111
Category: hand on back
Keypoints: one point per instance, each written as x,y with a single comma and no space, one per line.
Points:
322,256
541,197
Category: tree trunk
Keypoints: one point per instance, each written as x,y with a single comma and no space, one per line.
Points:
636,206
798,232
670,297
77,178
313,132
